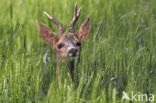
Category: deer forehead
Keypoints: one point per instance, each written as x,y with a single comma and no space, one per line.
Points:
68,39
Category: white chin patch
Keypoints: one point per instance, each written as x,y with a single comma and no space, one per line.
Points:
70,55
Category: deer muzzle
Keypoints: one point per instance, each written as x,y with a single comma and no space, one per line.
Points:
72,52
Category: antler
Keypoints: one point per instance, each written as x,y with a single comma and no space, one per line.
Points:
75,18
54,20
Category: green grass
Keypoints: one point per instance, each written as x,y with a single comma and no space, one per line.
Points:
119,55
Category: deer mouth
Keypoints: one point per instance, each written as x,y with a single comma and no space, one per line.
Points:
73,55
72,52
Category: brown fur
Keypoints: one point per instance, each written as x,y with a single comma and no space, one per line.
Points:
66,39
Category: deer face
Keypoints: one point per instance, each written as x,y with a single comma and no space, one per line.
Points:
66,44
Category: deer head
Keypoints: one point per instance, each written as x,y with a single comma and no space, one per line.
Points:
65,44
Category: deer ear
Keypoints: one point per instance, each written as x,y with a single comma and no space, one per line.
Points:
47,35
84,30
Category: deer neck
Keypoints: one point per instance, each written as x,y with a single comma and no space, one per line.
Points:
71,68
71,65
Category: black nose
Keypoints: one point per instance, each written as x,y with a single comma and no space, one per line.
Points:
72,52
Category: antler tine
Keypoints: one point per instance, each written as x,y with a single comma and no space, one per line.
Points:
75,10
54,20
75,18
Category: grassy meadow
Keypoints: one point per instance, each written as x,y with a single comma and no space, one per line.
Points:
118,56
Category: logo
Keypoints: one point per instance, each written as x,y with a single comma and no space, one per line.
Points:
138,96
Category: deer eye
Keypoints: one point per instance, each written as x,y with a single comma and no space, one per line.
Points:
78,44
60,45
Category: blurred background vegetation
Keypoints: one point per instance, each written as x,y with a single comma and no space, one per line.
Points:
119,55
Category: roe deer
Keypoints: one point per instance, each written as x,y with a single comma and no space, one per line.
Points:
66,44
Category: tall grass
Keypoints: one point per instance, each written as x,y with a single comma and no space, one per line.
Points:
119,55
